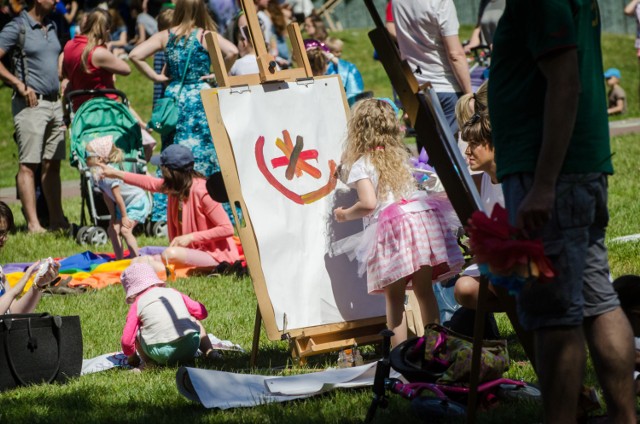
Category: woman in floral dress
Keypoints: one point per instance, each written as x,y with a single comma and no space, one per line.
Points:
190,24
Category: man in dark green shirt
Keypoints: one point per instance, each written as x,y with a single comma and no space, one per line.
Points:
551,137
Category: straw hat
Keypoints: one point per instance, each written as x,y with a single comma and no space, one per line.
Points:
137,278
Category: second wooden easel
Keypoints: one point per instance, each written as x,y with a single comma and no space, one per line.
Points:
420,105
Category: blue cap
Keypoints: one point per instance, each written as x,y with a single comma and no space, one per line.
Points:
396,110
612,72
175,157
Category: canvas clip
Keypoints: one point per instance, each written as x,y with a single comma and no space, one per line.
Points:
239,89
305,81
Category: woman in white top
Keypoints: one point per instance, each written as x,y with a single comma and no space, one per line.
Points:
427,33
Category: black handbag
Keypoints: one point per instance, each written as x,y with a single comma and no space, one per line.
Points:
39,348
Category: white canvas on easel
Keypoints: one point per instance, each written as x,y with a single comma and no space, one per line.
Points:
303,280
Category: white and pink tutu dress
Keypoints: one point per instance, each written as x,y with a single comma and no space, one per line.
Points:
401,236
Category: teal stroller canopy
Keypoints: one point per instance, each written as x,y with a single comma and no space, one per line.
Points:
104,117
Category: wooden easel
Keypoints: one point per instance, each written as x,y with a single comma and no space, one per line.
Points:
326,11
303,342
421,105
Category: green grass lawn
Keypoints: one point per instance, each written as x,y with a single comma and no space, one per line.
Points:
122,396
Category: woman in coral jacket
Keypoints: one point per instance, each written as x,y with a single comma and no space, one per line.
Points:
200,231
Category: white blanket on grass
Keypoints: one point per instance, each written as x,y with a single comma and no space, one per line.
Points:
224,390
119,359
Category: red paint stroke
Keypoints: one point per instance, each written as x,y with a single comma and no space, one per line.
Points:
294,197
284,161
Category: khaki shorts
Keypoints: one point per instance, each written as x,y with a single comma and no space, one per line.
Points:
574,242
39,130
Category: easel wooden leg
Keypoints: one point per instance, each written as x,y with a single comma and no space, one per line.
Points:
508,304
330,23
478,333
255,345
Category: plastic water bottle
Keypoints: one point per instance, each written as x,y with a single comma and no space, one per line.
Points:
341,360
348,357
357,356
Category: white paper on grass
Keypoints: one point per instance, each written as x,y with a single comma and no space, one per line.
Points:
303,280
224,390
104,362
320,382
119,359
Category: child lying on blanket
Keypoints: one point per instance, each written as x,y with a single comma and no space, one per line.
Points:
162,324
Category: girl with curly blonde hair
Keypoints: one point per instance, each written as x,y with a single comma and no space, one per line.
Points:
409,241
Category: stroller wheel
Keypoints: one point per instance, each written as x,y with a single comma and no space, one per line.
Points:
159,229
97,236
513,392
82,234
428,408
148,228
139,229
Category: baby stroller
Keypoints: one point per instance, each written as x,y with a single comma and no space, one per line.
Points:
432,400
101,117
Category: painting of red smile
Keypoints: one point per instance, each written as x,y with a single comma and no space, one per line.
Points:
295,160
287,141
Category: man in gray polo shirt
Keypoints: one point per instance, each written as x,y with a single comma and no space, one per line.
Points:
36,108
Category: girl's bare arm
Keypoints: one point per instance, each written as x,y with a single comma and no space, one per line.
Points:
366,204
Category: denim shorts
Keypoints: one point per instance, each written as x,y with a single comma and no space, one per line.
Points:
137,210
574,241
448,102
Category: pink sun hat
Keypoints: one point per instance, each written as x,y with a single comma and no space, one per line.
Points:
137,278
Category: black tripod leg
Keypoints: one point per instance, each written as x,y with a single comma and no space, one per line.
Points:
383,368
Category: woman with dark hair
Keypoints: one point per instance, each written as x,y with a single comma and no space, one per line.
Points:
87,62
11,298
315,28
280,22
200,232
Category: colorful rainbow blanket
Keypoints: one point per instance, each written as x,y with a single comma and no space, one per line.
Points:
90,270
